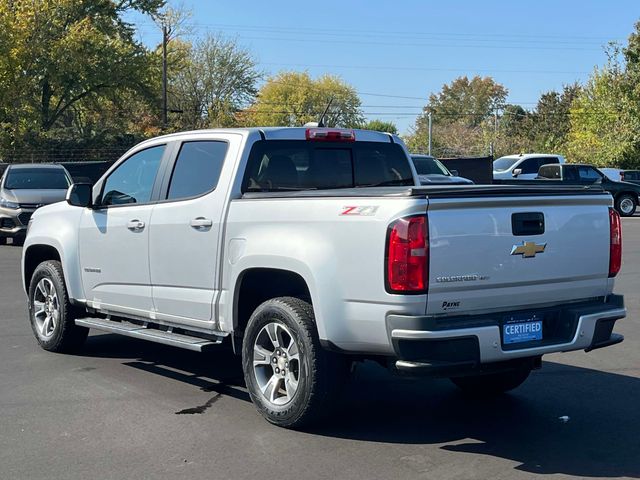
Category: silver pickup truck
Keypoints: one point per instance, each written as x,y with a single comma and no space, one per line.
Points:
311,248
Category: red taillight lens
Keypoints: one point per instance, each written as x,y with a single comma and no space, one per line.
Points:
615,245
408,256
330,135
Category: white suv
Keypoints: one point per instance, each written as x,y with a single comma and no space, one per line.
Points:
523,166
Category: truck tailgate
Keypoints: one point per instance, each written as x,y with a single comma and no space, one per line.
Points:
484,259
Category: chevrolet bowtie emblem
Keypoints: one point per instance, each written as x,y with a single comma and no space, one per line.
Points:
528,249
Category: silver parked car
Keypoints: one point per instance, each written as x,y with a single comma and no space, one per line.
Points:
431,171
23,189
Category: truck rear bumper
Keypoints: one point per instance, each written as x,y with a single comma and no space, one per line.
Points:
437,345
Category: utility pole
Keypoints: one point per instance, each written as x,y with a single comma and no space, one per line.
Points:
430,130
165,40
495,132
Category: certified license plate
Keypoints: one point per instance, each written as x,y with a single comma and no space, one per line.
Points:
522,328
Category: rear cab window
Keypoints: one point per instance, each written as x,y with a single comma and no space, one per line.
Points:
291,165
197,169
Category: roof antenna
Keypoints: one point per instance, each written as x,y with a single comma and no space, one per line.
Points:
324,114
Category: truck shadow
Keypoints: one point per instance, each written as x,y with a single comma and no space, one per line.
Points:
529,426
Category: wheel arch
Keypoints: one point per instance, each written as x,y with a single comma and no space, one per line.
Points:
631,193
255,285
34,255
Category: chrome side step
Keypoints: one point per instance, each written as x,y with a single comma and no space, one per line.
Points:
151,334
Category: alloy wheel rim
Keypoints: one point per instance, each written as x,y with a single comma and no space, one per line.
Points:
46,308
276,363
626,205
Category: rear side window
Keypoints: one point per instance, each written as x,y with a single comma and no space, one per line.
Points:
290,165
588,173
197,169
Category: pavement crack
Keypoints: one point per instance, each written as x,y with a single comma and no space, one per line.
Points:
201,408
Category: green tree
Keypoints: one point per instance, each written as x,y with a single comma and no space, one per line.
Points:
548,126
381,126
215,80
466,101
605,117
462,115
58,54
293,99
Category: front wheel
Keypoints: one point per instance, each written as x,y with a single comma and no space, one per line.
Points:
492,384
291,379
52,315
626,205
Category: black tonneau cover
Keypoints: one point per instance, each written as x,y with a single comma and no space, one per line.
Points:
452,191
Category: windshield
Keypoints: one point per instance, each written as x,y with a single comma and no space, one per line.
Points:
429,166
504,163
36,179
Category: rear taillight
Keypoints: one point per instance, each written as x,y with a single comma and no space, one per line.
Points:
407,267
615,245
330,135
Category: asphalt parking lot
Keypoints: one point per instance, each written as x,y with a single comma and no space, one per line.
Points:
123,408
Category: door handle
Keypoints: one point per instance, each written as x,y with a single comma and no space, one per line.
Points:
135,225
201,222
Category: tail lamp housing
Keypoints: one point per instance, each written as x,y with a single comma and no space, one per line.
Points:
615,243
407,256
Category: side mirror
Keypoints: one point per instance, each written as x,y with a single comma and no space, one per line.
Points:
80,195
454,173
516,172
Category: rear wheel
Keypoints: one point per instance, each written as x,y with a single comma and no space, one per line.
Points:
52,315
292,380
493,383
626,205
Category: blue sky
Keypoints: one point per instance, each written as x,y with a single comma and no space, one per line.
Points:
411,48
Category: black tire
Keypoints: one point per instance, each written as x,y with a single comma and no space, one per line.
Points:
628,208
320,373
491,384
65,335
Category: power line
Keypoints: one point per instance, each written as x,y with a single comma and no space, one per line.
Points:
424,69
357,39
304,30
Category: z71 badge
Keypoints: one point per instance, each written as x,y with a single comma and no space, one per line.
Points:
363,211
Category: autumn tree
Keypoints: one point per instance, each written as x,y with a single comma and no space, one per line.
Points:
214,81
58,54
293,99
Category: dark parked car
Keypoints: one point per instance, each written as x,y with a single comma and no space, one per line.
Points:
432,172
86,172
626,195
23,189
